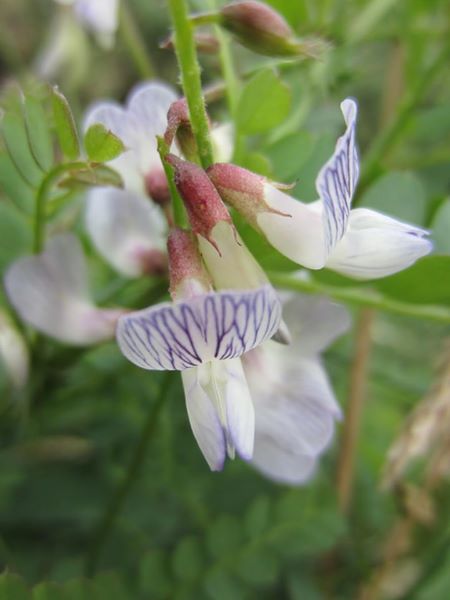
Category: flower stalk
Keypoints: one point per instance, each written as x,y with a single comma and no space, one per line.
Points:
190,78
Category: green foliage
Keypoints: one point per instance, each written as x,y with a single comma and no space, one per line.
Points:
65,125
263,104
102,145
67,438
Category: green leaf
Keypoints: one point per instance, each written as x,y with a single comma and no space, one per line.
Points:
289,154
257,517
49,591
264,103
15,235
17,145
101,144
187,560
65,125
256,162
92,175
400,195
426,282
224,536
220,585
154,580
37,124
441,228
13,185
258,567
12,587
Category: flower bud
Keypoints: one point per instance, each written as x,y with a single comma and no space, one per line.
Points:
179,126
157,186
205,43
187,273
261,29
242,189
201,199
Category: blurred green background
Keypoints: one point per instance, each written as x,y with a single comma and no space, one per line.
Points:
67,440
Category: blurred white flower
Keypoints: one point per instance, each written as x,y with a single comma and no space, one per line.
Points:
13,352
128,230
99,16
137,125
203,334
295,408
361,243
50,292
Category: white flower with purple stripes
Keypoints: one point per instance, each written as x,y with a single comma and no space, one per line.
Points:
204,336
360,243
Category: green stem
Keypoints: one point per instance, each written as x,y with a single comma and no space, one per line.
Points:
362,297
42,194
132,39
118,499
190,78
389,136
178,210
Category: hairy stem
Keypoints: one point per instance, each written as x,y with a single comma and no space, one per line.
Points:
190,78
119,497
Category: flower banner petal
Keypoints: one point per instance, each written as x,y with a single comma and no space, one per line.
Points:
217,325
337,179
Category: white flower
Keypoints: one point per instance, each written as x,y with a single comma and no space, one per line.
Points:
360,243
127,230
295,408
203,334
13,352
99,16
137,125
50,292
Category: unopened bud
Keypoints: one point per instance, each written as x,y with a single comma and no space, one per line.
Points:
203,203
263,30
205,43
179,126
242,189
187,273
157,186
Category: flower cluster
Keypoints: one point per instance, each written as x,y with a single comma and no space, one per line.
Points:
249,360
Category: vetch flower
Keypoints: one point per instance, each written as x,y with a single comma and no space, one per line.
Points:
50,292
203,334
137,124
13,352
295,408
128,231
99,16
360,243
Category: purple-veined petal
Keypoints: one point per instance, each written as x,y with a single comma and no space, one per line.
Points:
126,228
217,325
49,291
337,179
220,410
376,245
